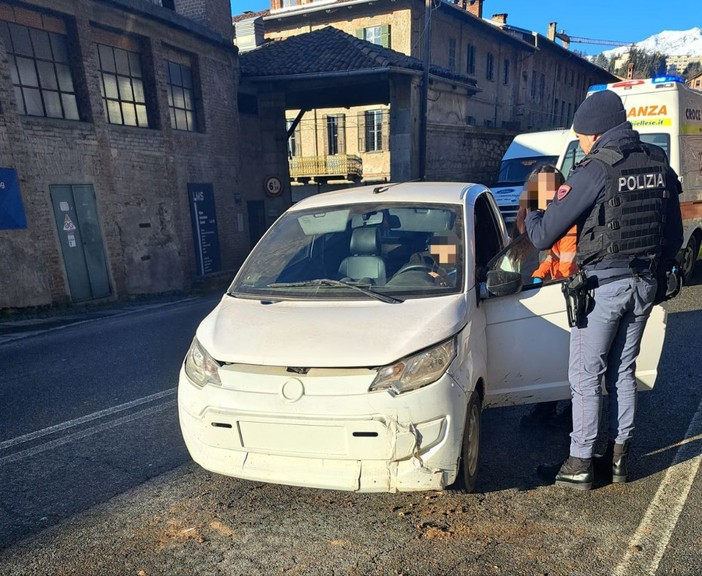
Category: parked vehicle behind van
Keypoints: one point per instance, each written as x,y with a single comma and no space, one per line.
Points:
359,342
667,113
526,153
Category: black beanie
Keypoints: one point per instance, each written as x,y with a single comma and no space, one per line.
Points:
598,113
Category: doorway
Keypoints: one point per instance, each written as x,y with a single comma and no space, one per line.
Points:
79,231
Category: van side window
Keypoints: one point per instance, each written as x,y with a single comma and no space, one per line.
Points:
488,240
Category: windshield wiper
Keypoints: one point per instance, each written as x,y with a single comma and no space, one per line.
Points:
363,288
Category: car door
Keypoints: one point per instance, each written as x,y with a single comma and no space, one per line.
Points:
528,338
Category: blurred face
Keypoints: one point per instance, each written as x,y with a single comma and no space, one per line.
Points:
547,187
529,198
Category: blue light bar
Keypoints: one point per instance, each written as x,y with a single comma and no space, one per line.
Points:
597,87
664,79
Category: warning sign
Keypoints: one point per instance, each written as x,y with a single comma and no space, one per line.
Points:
68,223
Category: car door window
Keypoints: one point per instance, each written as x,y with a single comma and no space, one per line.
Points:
488,239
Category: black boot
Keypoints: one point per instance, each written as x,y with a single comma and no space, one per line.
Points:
602,463
620,455
575,473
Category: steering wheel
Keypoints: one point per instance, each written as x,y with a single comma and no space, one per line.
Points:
415,268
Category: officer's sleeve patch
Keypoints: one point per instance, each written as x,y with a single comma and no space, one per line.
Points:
563,191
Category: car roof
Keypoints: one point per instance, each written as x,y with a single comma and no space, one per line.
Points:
434,192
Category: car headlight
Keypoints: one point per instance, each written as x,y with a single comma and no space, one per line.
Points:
200,367
416,371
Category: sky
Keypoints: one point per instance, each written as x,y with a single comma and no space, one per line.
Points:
617,20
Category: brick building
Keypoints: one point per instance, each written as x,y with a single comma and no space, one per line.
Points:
119,148
525,82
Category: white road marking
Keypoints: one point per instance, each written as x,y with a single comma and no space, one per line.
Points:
85,433
649,542
83,419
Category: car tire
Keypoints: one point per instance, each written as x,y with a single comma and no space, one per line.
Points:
470,448
688,257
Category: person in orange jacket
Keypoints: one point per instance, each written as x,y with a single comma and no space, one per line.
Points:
560,261
540,189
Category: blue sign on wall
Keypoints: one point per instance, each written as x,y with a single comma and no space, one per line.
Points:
11,207
204,219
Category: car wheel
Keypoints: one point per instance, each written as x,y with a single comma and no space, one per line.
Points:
470,450
689,257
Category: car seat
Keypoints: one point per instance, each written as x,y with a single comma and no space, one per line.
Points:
364,261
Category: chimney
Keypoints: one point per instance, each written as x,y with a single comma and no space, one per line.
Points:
475,7
551,34
499,18
214,14
248,34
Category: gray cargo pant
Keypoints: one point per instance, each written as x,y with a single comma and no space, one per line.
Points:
608,346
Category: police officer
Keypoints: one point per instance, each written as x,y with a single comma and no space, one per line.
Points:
623,198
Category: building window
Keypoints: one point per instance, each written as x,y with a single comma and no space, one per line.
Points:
181,96
558,72
470,59
452,53
563,119
555,112
335,134
505,72
292,140
122,86
379,35
40,70
490,67
374,130
542,88
533,86
569,113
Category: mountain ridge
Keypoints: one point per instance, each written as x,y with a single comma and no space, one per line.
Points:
668,42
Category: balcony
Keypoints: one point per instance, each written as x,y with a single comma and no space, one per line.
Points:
324,168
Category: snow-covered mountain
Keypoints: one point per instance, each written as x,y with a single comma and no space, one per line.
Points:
668,42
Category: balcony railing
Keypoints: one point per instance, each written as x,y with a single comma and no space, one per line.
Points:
339,166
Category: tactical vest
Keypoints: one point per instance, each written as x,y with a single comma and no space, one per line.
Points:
629,223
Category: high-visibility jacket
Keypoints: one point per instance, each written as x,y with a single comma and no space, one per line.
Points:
560,261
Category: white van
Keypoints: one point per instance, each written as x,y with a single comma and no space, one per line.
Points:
526,153
358,343
667,113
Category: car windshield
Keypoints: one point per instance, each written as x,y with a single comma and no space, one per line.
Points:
385,251
516,170
574,153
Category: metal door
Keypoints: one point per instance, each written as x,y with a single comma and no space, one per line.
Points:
257,220
81,241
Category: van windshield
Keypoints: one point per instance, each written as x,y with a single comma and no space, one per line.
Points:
397,250
515,171
574,154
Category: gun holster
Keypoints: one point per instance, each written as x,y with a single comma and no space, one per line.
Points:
670,281
578,296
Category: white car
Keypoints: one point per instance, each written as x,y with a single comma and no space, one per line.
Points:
363,335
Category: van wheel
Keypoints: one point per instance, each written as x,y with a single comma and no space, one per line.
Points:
689,257
470,450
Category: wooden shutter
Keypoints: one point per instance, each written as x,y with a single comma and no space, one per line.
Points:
362,132
385,136
385,36
341,119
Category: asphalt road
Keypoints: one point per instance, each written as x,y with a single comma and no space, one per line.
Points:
120,496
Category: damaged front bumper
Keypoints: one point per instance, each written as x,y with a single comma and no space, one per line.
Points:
324,429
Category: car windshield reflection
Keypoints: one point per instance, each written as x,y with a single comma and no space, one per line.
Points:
358,251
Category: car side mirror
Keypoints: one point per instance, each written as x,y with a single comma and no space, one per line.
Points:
503,282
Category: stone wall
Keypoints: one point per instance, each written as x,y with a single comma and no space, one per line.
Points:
465,154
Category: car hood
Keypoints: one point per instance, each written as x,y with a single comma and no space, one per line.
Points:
328,334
